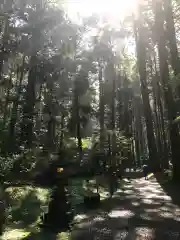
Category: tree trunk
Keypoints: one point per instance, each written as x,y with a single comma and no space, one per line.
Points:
78,129
156,114
4,42
30,99
14,112
141,57
62,133
101,108
139,141
38,120
78,124
51,133
175,62
7,100
113,116
168,96
161,119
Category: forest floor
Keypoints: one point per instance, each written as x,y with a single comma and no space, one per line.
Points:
139,209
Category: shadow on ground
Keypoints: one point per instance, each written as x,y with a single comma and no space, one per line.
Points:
133,175
139,210
170,188
25,214
40,235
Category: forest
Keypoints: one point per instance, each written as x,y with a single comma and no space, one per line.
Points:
87,97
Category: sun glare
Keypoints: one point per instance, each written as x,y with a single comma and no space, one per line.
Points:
112,10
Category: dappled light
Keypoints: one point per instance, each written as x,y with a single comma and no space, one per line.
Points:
120,213
15,234
138,214
80,217
89,119
139,209
25,205
112,11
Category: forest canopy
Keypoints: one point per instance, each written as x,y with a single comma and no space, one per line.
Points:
96,76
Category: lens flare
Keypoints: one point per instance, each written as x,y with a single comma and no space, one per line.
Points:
112,10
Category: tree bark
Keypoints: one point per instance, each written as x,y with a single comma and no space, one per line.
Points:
171,35
141,59
3,52
7,100
30,99
168,96
101,107
15,105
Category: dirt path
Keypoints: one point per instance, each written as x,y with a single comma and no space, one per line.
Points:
139,210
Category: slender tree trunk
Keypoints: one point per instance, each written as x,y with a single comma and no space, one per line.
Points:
7,101
139,141
156,116
168,96
113,116
175,61
78,124
101,108
113,102
62,133
161,122
141,134
119,105
4,144
30,99
120,110
38,110
79,138
131,130
157,129
133,148
141,56
14,112
160,110
51,134
125,120
4,42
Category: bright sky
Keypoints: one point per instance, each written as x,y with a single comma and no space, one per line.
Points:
113,10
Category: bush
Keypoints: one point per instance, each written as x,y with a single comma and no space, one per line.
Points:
6,166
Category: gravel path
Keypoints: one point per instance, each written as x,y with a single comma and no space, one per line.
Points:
139,210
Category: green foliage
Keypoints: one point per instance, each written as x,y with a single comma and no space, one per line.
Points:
18,164
66,78
25,205
176,120
6,164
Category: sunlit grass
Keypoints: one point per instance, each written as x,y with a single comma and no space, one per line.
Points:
17,193
150,175
25,205
22,234
15,234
